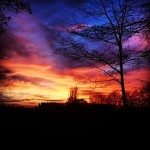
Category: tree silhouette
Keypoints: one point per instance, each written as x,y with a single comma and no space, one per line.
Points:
146,91
97,98
137,98
114,98
74,99
115,22
73,94
16,6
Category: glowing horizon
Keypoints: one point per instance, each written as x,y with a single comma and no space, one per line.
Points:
41,83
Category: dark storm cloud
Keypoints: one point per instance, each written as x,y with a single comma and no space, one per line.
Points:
19,78
4,71
68,63
34,80
9,44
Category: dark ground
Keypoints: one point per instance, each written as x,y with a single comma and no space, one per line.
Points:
66,122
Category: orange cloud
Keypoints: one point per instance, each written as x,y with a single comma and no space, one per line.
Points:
43,82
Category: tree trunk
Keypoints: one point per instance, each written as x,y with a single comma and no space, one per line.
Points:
123,90
122,76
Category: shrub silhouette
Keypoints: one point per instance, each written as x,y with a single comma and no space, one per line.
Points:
97,98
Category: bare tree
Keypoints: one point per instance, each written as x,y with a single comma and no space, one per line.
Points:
73,94
101,44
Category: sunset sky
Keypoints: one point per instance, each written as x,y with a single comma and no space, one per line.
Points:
38,73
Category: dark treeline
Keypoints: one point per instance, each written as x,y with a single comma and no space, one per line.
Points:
71,117
135,98
54,122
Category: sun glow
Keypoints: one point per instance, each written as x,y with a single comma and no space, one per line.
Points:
43,82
